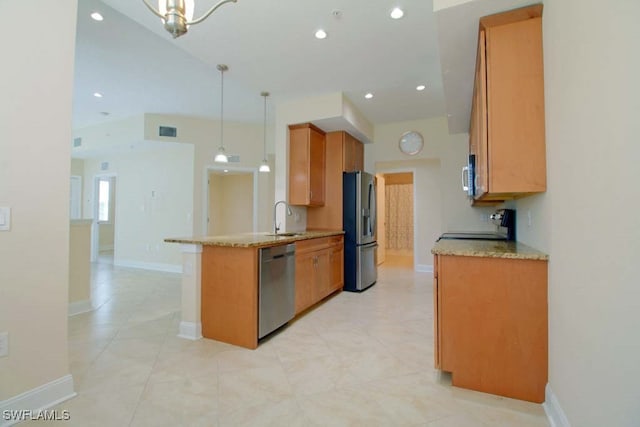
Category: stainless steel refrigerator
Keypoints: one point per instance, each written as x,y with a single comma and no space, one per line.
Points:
359,221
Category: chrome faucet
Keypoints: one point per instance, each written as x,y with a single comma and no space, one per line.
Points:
276,227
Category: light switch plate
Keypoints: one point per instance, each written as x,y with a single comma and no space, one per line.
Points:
5,219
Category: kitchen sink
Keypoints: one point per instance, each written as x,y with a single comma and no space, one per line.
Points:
284,234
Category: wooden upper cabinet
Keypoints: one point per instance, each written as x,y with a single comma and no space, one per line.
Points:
352,153
507,123
344,154
306,165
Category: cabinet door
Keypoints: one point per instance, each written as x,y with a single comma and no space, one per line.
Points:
336,262
305,280
436,314
492,323
347,153
316,168
515,107
299,166
353,154
479,121
322,275
306,165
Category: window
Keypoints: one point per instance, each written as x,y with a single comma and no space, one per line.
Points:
104,195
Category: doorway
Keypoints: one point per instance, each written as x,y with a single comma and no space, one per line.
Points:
231,202
104,219
399,219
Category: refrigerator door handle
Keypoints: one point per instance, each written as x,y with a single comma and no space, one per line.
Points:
370,209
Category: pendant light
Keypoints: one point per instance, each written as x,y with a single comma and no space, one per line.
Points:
221,157
264,166
177,15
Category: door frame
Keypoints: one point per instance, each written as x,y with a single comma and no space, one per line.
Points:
415,211
78,178
95,229
205,186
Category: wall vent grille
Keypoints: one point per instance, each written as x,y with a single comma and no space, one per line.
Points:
168,131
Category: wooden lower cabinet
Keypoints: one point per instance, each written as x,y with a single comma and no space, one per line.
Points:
229,295
490,317
319,270
336,267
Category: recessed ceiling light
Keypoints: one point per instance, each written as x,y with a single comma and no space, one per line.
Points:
396,13
420,87
96,16
321,34
97,94
369,95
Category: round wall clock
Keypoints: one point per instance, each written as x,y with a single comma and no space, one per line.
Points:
411,142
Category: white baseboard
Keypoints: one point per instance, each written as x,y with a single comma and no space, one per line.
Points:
39,398
190,330
424,268
156,266
78,307
552,408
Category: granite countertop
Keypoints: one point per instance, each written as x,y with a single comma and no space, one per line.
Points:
253,240
487,248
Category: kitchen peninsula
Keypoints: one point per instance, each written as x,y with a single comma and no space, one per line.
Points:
220,282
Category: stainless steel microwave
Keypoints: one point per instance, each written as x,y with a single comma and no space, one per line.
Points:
469,176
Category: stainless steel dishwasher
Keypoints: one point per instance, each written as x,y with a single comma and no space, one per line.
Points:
276,305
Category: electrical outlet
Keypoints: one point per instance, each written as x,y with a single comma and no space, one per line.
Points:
4,344
529,222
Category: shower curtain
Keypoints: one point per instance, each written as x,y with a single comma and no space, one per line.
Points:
399,216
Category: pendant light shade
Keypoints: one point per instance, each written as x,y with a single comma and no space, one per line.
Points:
264,166
177,15
221,157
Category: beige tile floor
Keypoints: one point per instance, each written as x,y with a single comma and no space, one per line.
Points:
355,360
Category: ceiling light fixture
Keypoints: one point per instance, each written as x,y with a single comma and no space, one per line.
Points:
221,157
420,87
97,94
369,95
396,13
264,166
177,15
321,34
96,16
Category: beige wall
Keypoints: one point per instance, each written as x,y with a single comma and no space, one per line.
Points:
441,205
216,197
588,219
77,167
154,189
238,198
80,261
243,139
230,203
35,147
293,112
